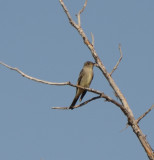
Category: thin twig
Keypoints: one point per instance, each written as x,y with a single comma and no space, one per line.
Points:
84,6
68,15
32,78
142,116
78,15
63,108
77,27
77,106
93,41
116,66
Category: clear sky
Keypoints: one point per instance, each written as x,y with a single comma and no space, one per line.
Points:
35,36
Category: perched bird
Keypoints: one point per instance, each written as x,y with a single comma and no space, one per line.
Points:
84,80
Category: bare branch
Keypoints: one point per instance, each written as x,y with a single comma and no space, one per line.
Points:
32,78
142,116
77,106
84,6
47,82
63,108
121,55
68,15
93,41
109,99
77,27
78,15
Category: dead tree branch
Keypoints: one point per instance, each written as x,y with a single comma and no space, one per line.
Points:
78,15
142,116
101,94
116,66
107,98
93,41
77,106
34,79
125,109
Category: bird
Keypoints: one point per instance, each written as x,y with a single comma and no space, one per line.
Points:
84,80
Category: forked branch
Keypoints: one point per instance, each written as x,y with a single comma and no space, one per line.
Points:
78,15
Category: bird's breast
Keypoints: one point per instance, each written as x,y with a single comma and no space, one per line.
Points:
87,78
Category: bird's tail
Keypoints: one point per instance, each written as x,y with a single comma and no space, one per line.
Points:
74,102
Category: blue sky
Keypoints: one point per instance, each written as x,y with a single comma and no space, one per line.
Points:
35,36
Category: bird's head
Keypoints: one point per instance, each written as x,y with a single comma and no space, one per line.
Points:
89,63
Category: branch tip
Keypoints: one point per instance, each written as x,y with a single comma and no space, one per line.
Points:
84,6
78,15
121,55
33,78
93,41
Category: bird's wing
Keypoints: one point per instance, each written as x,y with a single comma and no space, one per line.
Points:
80,77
